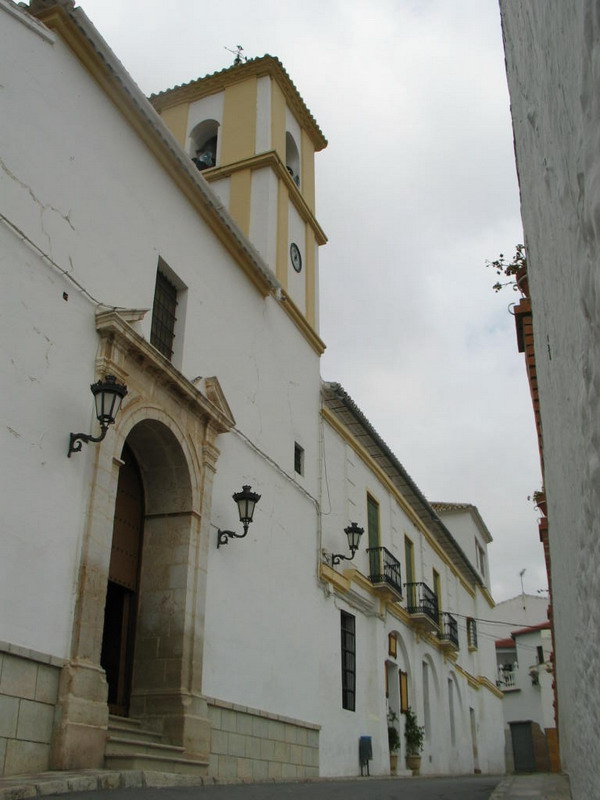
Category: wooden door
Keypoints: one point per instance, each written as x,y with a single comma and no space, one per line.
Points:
123,581
522,743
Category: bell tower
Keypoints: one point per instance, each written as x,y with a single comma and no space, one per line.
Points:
249,132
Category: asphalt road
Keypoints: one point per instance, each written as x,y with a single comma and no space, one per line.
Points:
464,788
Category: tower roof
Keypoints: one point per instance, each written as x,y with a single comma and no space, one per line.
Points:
217,81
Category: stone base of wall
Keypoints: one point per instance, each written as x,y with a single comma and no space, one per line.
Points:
254,745
28,695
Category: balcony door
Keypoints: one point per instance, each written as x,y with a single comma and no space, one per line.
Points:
374,541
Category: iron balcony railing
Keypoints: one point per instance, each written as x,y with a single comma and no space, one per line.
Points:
421,600
384,568
448,628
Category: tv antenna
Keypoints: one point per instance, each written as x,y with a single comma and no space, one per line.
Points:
239,58
521,576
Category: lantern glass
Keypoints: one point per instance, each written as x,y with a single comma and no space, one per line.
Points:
108,396
246,501
353,532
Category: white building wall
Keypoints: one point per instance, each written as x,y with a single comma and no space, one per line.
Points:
264,88
440,755
556,111
255,351
263,213
520,611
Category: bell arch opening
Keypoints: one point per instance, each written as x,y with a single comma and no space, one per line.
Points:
292,158
204,141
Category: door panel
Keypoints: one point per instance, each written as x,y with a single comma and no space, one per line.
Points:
522,742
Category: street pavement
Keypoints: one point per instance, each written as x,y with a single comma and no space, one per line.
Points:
466,788
142,785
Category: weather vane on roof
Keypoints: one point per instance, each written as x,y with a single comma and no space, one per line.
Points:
239,58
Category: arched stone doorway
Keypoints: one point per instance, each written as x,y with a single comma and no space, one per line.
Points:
168,576
171,427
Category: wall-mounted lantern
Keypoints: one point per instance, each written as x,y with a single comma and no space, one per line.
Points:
246,501
108,396
353,532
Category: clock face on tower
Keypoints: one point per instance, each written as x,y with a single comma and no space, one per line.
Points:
296,257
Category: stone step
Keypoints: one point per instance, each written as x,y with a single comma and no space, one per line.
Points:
131,729
122,745
156,763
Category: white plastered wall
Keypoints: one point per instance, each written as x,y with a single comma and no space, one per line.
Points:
556,112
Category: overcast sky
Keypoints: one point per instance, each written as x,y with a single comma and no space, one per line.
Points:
416,190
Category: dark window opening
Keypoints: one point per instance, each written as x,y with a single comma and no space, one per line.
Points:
540,654
298,459
206,155
348,628
162,333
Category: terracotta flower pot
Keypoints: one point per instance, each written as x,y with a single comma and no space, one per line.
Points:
414,763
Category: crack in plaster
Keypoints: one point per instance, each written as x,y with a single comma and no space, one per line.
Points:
44,208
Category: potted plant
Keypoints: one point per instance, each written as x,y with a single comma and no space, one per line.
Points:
414,735
515,270
393,740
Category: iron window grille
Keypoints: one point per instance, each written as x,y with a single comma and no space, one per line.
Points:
471,632
348,630
162,333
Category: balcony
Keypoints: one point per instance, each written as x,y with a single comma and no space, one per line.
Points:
422,605
448,634
507,677
384,571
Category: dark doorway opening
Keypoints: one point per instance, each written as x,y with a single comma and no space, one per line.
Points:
123,583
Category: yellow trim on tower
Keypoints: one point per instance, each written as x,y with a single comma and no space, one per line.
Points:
240,199
307,179
238,131
310,276
257,67
271,159
341,429
282,257
176,120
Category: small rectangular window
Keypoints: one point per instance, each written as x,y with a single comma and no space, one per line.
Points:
348,630
480,559
298,459
162,333
540,654
471,633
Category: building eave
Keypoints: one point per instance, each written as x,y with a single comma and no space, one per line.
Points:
217,81
341,405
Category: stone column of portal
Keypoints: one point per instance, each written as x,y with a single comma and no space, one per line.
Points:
170,638
81,717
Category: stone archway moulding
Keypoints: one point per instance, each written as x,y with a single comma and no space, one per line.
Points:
159,395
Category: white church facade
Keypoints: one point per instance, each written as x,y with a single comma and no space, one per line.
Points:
169,248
